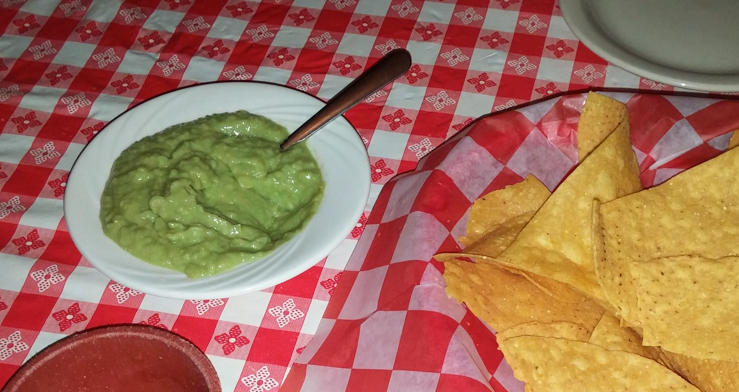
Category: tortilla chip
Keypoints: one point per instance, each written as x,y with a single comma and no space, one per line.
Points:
502,205
693,213
562,330
610,335
707,374
557,243
599,254
600,116
560,365
734,141
689,305
504,299
549,286
502,234
555,288
494,243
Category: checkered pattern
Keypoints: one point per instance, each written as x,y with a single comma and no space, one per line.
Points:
67,67
390,320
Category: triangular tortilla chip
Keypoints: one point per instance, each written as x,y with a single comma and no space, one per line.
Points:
557,243
504,299
496,241
693,213
690,305
502,205
495,221
551,287
600,116
561,365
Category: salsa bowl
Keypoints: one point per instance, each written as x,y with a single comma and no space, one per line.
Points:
122,357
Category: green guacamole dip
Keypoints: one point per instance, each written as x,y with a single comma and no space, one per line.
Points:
204,196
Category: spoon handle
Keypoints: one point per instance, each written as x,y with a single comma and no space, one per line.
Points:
384,71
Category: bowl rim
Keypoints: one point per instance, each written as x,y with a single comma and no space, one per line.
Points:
139,331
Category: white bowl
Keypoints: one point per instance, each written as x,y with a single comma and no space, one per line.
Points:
337,148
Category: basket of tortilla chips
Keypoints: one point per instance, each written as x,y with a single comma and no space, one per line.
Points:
594,235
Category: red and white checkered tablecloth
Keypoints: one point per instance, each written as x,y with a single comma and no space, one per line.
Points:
68,67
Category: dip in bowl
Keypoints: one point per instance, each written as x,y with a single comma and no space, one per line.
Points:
338,150
204,196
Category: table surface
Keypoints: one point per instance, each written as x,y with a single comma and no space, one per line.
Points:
68,67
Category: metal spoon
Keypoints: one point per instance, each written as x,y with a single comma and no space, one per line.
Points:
384,71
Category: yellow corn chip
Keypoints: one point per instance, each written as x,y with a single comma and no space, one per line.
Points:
549,286
525,198
558,242
562,330
502,205
494,243
600,116
734,141
690,305
560,365
504,299
610,335
693,213
547,265
555,288
707,374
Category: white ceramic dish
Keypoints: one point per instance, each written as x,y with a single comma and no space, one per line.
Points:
684,43
337,148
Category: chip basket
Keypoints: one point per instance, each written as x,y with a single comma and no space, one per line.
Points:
390,325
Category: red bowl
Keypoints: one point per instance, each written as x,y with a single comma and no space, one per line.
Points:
129,358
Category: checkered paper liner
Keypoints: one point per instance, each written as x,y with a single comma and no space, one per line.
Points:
390,325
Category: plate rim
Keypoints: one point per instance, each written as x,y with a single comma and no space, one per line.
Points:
592,36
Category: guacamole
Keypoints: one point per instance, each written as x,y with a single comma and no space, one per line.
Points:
207,195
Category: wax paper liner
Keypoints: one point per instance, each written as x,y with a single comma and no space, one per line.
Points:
390,325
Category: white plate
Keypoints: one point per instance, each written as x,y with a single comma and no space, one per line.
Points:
337,148
685,43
